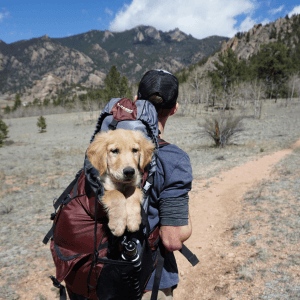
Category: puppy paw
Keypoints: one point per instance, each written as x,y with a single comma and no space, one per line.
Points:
117,221
117,227
133,222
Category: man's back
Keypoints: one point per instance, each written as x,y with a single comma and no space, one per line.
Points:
169,201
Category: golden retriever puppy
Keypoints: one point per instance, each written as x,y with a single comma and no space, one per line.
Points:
119,155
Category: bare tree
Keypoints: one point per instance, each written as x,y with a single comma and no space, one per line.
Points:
292,83
233,93
257,94
196,80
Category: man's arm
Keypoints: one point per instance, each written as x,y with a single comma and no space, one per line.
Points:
173,236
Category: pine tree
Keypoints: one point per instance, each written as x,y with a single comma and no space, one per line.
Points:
114,87
124,88
18,102
41,123
273,34
248,37
3,132
227,70
111,82
273,61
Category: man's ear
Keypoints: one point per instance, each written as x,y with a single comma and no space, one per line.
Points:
174,109
97,153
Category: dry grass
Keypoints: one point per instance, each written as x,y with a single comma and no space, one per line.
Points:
272,208
36,168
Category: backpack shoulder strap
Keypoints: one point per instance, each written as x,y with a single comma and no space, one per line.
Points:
162,143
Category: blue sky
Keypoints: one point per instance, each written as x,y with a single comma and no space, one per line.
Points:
21,20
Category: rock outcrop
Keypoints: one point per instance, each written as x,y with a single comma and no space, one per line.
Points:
153,33
177,35
107,34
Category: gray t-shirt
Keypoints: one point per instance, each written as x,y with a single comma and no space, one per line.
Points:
169,202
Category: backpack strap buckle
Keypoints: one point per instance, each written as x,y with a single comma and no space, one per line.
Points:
56,283
113,124
53,215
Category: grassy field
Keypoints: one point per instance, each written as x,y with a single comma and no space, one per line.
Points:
36,167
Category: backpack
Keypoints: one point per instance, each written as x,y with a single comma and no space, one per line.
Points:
92,262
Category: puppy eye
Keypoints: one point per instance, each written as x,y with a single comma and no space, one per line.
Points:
115,151
134,150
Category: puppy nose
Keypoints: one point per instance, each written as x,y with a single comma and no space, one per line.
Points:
128,171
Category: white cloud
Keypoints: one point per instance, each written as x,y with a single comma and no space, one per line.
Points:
99,19
4,15
265,21
247,24
274,11
296,10
109,11
199,18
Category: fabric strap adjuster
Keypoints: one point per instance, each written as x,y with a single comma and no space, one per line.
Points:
113,124
192,258
62,289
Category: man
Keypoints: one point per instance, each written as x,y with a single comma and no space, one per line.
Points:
172,181
168,209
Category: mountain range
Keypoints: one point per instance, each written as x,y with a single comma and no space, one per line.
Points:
86,58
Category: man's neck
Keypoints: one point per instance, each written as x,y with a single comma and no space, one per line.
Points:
161,126
161,129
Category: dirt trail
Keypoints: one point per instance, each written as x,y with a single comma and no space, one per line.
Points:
213,206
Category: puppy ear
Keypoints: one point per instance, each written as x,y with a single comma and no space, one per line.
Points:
147,148
97,152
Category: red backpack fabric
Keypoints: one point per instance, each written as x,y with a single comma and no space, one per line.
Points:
72,245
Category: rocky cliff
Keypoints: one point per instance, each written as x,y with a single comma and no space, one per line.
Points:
246,44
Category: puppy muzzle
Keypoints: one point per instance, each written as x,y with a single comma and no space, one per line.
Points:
128,173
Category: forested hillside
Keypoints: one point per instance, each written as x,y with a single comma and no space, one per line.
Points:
263,62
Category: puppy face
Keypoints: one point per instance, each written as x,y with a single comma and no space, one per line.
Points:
119,153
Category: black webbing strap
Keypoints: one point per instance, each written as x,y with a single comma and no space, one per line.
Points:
113,124
157,277
62,289
67,191
96,252
75,189
192,258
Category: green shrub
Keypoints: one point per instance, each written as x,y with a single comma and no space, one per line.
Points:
3,132
41,123
7,109
46,102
